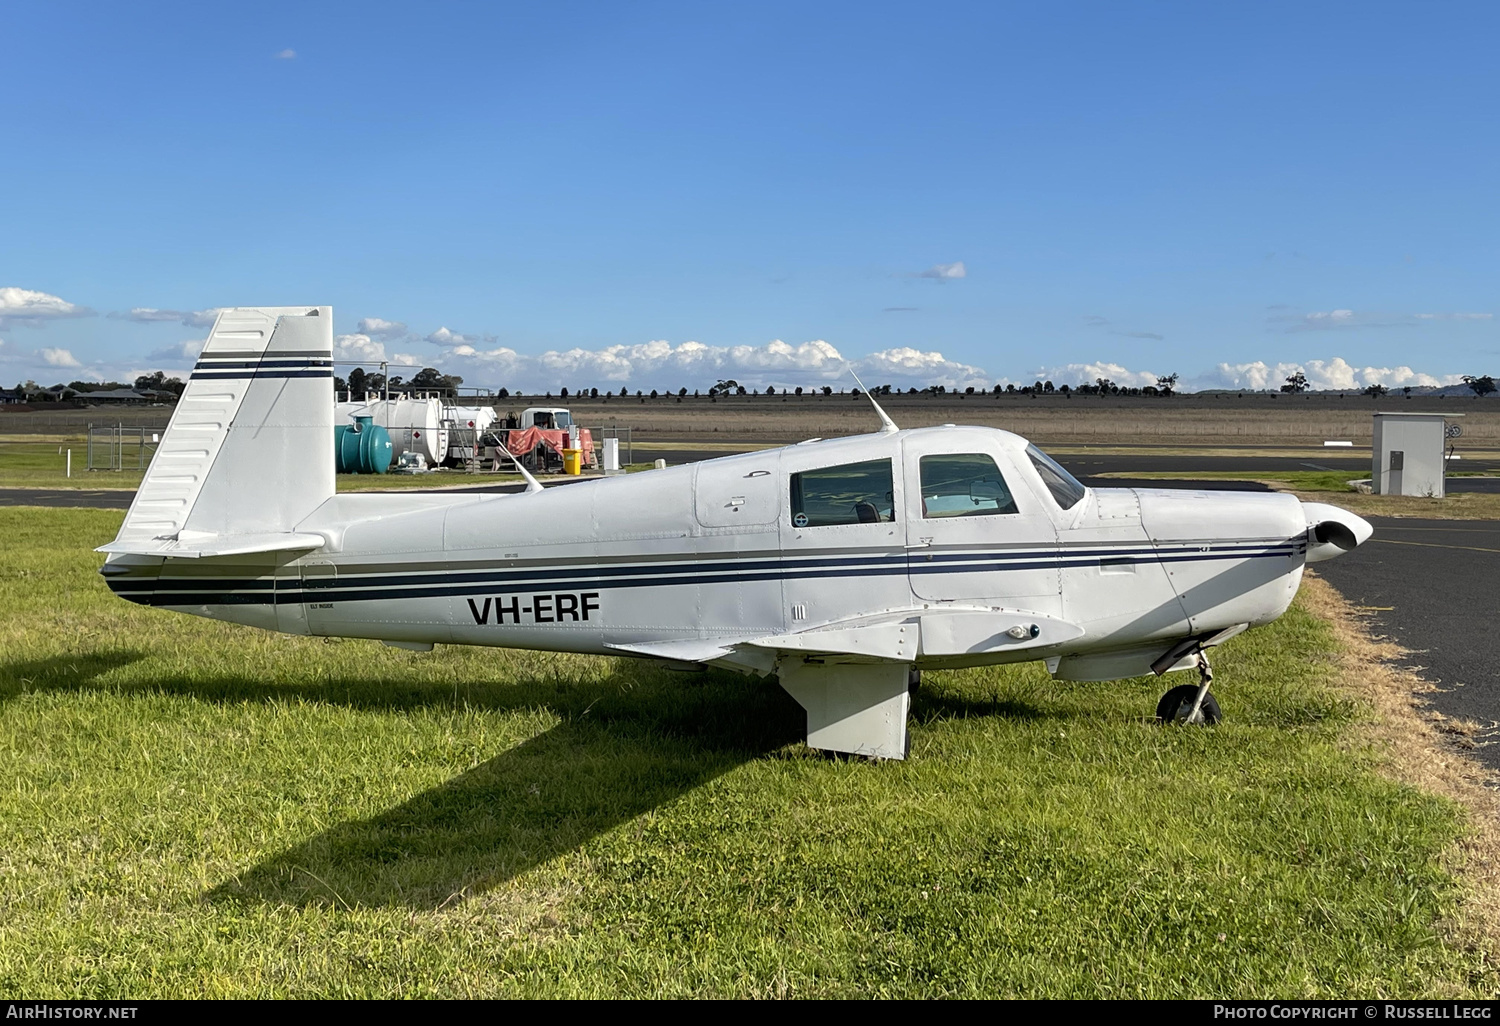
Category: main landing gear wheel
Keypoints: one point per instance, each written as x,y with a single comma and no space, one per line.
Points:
1191,703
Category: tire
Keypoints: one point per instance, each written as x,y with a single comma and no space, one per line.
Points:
913,681
1174,705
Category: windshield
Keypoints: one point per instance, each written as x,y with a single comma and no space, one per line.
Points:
1064,486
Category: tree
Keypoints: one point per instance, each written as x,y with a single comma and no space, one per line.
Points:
681,392
431,379
593,393
799,389
1375,391
969,390
653,393
1166,384
1480,386
770,390
159,382
1296,383
563,393
624,391
724,387
828,390
1106,386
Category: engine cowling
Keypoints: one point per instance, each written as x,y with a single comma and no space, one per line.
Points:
1332,531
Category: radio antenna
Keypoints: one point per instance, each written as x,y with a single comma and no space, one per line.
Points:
887,425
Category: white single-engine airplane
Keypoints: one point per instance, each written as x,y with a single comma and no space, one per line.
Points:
842,566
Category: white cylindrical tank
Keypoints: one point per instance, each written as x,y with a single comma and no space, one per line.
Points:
415,425
468,423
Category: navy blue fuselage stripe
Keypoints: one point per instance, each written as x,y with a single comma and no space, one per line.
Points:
311,361
246,375
188,591
894,563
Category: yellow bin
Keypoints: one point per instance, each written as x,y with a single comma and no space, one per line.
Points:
572,461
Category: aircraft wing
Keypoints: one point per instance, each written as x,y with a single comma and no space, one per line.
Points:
192,545
897,637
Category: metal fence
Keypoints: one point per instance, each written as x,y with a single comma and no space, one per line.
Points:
622,433
120,447
76,422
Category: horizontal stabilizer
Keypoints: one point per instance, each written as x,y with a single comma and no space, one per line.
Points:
216,545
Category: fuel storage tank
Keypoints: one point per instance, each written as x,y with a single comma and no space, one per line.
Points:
415,425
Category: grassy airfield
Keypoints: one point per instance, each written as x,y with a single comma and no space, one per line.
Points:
195,809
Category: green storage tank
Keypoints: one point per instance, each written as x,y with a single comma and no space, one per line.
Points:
363,447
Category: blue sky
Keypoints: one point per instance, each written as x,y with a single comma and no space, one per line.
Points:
655,194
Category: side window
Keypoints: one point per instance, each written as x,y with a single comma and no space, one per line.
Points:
855,493
1065,488
964,485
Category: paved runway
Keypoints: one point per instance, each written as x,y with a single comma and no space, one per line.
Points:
1434,586
92,499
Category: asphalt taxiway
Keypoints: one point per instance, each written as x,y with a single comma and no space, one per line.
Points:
1433,586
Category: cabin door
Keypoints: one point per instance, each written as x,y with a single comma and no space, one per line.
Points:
976,533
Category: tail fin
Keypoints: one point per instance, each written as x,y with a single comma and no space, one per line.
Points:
249,450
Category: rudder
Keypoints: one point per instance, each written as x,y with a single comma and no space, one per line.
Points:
248,453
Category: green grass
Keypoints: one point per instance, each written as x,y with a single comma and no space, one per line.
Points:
40,465
191,808
1300,480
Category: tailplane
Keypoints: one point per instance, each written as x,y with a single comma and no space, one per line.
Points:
248,453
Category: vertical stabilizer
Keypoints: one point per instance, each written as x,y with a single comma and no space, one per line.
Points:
249,450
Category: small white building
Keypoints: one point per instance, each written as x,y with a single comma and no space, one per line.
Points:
1408,456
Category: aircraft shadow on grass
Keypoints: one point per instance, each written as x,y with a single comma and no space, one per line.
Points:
626,744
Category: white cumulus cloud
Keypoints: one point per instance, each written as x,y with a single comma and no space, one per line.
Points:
187,318
447,337
185,352
359,347
1336,373
58,358
379,327
905,367
1075,374
32,308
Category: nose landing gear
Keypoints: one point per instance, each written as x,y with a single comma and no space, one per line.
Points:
1191,703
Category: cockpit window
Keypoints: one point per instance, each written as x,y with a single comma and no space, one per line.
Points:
963,485
855,493
1064,486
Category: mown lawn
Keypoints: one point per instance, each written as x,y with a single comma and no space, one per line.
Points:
190,808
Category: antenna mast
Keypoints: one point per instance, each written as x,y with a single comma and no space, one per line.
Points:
887,425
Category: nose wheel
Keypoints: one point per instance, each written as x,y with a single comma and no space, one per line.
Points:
1191,703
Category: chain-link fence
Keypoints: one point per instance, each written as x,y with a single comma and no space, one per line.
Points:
120,447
